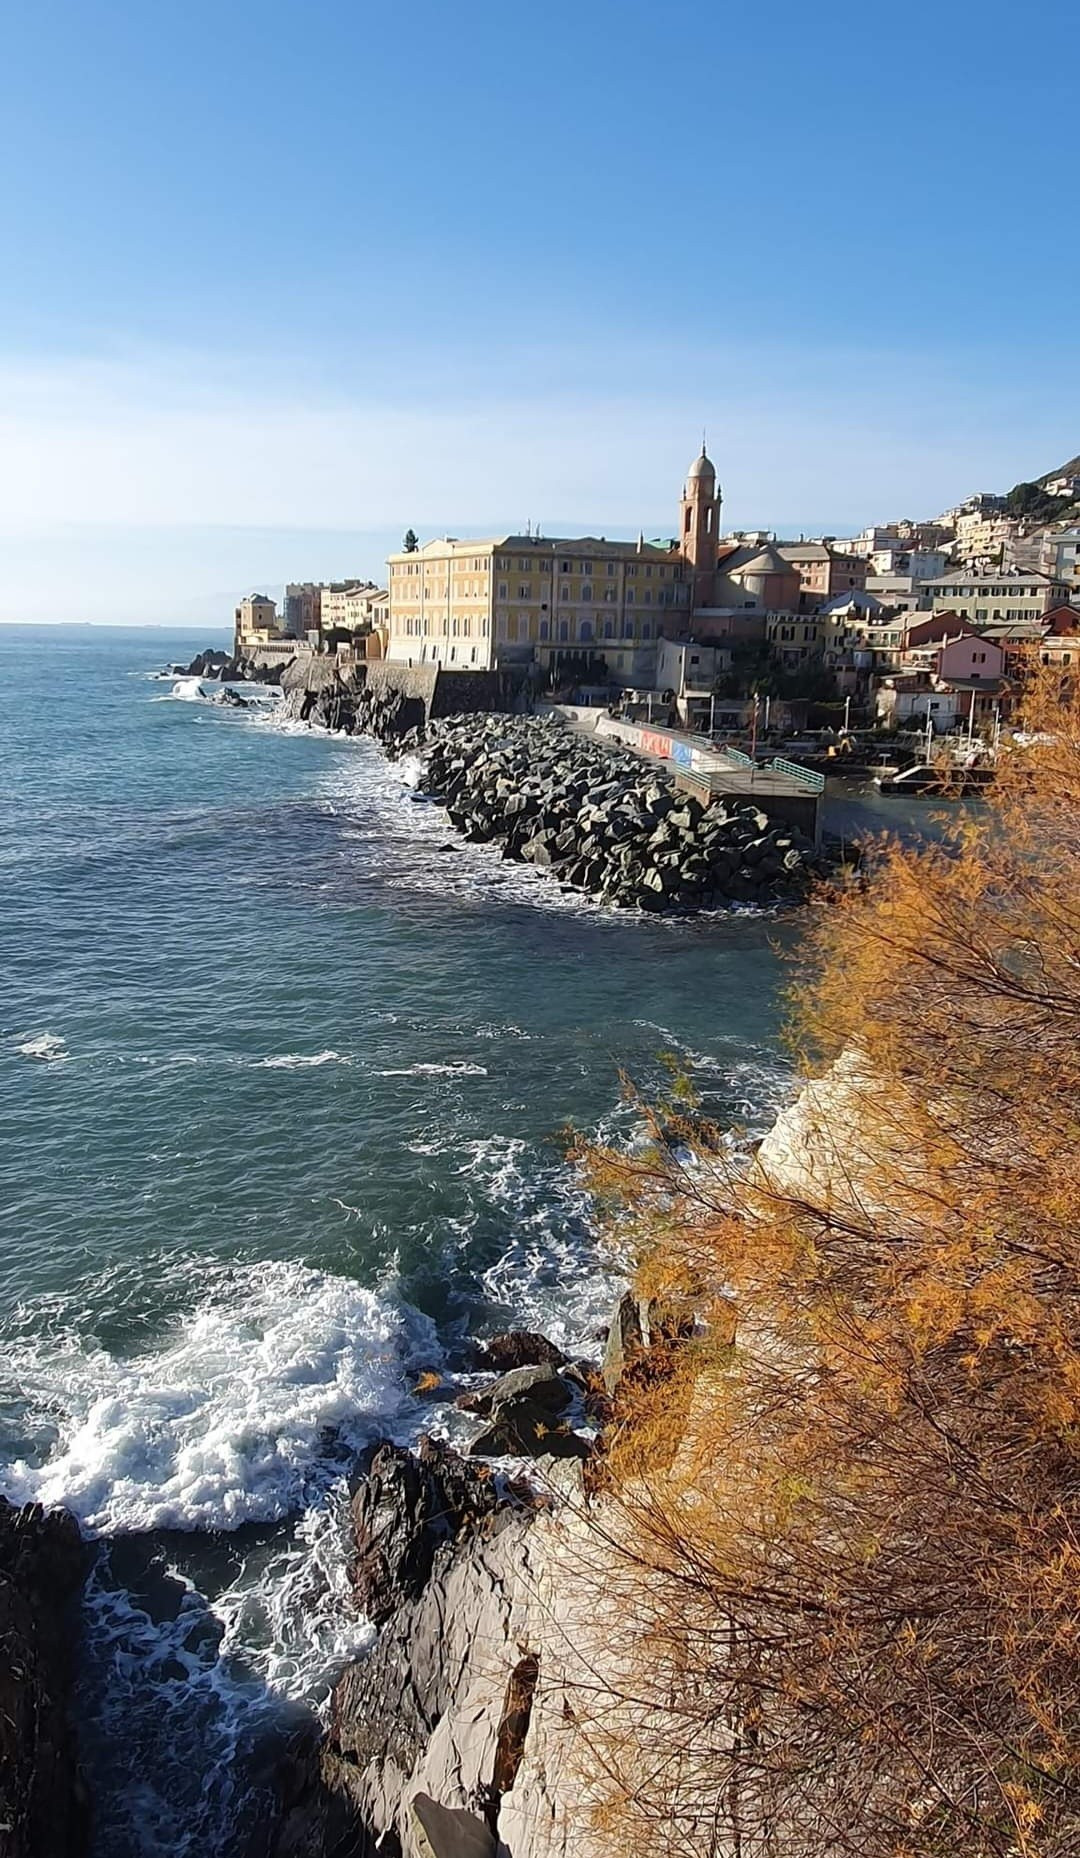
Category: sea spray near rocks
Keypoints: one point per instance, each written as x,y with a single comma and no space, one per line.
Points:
232,1419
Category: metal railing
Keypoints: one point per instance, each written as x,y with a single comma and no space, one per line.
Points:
806,777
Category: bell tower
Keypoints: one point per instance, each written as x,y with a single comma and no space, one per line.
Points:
699,528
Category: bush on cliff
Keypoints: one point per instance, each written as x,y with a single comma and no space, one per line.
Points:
851,1543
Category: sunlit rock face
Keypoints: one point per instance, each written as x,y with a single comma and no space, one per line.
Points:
847,1143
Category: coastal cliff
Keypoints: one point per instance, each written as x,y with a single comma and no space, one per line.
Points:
43,1563
462,1733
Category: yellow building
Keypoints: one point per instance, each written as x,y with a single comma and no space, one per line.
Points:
256,622
470,605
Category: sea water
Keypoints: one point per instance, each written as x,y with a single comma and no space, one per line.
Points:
285,1075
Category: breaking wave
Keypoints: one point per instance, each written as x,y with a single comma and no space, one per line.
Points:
238,1416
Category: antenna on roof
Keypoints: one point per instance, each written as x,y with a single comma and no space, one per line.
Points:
703,441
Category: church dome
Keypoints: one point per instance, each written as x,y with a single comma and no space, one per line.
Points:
701,467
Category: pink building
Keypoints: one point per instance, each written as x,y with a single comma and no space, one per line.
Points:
970,657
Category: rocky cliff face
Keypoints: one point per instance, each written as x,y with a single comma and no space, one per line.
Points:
461,1733
43,1563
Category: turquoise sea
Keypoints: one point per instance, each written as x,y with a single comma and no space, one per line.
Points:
283,1076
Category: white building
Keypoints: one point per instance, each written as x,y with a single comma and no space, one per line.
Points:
999,596
1065,485
1059,556
922,564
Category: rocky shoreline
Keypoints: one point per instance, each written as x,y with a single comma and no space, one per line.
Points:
451,1738
446,1739
594,814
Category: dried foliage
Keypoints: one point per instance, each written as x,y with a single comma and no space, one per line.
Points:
853,1574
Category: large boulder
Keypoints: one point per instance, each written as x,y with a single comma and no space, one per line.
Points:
405,1505
517,1348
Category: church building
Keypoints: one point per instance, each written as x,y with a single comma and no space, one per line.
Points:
472,604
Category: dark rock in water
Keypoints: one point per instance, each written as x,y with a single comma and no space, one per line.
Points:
215,664
43,1564
404,1505
523,1429
525,1407
541,1384
517,1348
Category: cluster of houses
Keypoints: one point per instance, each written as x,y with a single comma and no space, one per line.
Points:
923,623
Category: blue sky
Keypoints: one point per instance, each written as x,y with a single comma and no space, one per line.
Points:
282,279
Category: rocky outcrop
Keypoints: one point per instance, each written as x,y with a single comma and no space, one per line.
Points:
230,669
43,1563
440,1563
529,1415
462,1733
602,821
320,693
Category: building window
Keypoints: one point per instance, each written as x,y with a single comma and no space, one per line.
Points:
502,590
629,596
564,593
524,590
564,567
586,631
544,629
628,629
564,631
586,592
610,568
609,628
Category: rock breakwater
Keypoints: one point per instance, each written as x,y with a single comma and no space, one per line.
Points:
604,822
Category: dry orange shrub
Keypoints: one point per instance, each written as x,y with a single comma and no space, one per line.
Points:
855,1577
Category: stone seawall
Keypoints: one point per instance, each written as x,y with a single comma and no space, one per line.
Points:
389,701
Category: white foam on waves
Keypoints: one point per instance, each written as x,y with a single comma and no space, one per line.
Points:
459,1069
297,1061
181,1695
231,1418
50,1047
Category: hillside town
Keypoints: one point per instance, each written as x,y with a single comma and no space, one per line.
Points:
907,625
